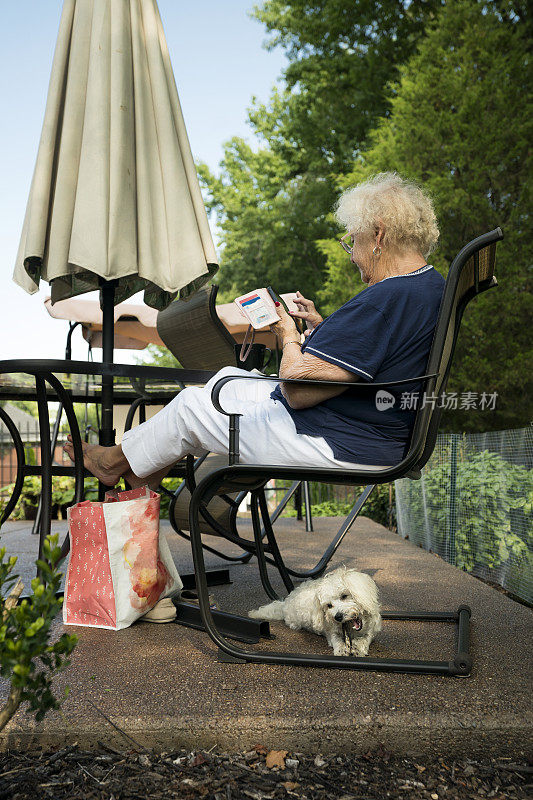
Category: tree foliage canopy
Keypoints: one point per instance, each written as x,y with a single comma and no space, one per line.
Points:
342,55
437,92
460,125
274,202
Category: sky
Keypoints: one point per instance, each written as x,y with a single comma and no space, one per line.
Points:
219,63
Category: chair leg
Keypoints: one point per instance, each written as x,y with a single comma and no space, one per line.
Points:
46,464
276,555
320,567
460,665
190,483
243,558
276,559
278,562
332,548
231,535
307,506
284,501
260,549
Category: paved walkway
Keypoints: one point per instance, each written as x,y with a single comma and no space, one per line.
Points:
161,684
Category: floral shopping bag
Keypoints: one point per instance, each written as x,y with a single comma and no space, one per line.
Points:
119,566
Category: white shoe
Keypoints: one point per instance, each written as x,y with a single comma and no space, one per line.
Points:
163,611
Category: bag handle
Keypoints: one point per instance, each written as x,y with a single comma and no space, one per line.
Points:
247,345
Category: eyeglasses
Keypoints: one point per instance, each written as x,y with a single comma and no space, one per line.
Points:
344,244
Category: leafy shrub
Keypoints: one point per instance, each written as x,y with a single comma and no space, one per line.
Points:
27,658
486,524
62,496
381,506
376,507
171,484
328,508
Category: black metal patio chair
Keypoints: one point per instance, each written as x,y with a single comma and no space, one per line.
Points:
192,331
471,272
195,335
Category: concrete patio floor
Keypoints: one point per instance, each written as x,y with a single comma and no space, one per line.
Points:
162,685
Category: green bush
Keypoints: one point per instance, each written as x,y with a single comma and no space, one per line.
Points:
28,502
328,508
487,523
377,506
171,484
381,506
62,496
27,658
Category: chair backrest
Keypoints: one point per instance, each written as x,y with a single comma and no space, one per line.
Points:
193,332
471,272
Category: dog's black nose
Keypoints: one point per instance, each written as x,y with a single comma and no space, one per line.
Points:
339,617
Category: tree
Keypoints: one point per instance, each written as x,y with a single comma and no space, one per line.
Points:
274,202
265,215
159,355
460,124
342,53
29,406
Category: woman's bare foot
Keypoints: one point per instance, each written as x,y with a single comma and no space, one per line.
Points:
108,464
152,481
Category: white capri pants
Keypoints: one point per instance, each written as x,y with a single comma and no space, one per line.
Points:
191,424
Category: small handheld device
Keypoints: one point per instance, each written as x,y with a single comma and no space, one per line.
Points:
278,299
258,308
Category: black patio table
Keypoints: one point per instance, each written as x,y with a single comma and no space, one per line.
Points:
37,379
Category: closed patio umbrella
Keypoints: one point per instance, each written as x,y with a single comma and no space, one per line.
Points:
114,202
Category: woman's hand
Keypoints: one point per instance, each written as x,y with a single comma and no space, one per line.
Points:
285,329
307,312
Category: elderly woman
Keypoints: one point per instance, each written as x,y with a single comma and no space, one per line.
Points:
381,334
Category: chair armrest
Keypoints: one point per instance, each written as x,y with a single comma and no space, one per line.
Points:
357,385
233,449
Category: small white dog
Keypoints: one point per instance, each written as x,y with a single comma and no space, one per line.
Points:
343,606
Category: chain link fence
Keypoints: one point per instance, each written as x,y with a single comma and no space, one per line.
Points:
474,506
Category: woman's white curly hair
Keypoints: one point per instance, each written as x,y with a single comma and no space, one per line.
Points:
400,206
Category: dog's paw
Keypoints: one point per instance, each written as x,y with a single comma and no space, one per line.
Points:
341,649
360,649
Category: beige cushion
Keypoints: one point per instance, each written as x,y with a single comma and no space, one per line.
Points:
217,507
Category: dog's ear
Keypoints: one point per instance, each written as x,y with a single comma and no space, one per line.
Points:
335,577
363,588
317,612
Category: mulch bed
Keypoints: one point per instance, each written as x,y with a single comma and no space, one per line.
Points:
108,774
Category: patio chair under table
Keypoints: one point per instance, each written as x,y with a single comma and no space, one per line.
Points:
471,273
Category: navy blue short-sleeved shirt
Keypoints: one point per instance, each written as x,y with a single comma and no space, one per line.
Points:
381,334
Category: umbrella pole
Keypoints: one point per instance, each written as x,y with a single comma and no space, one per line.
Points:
107,432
